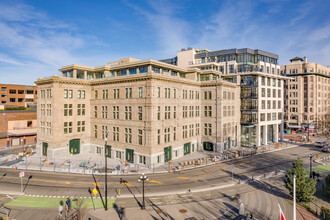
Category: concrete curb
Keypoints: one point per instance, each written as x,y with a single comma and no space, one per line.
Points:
13,193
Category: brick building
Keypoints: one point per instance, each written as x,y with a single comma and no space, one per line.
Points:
17,95
18,128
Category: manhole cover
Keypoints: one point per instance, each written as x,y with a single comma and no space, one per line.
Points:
159,211
182,210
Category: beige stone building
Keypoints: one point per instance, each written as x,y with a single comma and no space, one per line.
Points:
307,95
152,111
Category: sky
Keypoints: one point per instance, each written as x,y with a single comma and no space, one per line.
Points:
38,37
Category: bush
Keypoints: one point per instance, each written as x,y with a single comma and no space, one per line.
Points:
327,184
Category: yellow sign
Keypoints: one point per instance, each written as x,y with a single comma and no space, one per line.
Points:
95,191
96,184
317,156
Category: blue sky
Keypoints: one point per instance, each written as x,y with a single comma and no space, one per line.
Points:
38,37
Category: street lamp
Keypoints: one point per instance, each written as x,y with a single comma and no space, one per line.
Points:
310,165
106,171
143,178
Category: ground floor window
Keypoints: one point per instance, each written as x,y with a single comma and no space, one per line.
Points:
142,159
44,148
248,135
98,150
130,155
118,154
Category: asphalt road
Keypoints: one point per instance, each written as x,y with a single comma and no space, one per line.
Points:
209,177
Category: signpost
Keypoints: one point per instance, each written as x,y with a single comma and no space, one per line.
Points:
232,173
21,175
90,192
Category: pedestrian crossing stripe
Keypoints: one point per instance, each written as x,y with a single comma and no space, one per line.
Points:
182,177
155,181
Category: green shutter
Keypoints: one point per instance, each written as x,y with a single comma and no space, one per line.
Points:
168,153
130,155
186,149
75,146
108,151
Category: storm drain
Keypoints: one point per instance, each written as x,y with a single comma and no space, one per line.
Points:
159,211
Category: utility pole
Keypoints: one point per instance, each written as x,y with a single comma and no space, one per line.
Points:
310,165
294,197
106,171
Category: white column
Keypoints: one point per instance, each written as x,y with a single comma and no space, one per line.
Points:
265,134
258,133
275,127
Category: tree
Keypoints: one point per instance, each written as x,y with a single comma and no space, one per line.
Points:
327,184
305,186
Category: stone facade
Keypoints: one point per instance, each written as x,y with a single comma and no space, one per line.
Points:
149,111
307,95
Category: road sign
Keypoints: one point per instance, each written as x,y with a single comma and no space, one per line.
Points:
95,191
21,174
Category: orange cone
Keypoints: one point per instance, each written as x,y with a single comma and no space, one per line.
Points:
15,167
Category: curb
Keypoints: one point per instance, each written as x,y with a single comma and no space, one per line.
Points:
13,193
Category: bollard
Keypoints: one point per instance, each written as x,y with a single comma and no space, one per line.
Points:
69,166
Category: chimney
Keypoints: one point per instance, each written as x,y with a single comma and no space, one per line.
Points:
305,59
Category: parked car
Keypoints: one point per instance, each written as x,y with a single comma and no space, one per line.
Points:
326,149
321,144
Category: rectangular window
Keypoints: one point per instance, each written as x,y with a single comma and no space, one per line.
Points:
274,104
116,93
128,93
158,112
174,133
207,129
95,131
128,112
70,94
95,111
128,135
158,92
79,94
273,116
174,112
115,133
12,91
262,117
263,92
140,136
143,69
83,94
269,115
174,93
158,136
104,111
65,93
268,104
115,112
140,92
140,113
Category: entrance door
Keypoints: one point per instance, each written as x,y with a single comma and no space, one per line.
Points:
44,148
270,133
167,154
129,155
108,151
74,146
186,149
208,146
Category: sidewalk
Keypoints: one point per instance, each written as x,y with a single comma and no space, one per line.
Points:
85,164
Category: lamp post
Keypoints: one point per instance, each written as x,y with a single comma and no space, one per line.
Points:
106,171
310,165
143,178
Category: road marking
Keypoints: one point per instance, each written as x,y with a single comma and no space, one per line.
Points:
241,163
155,181
127,184
67,183
182,177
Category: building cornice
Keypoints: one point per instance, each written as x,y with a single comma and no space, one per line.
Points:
308,74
